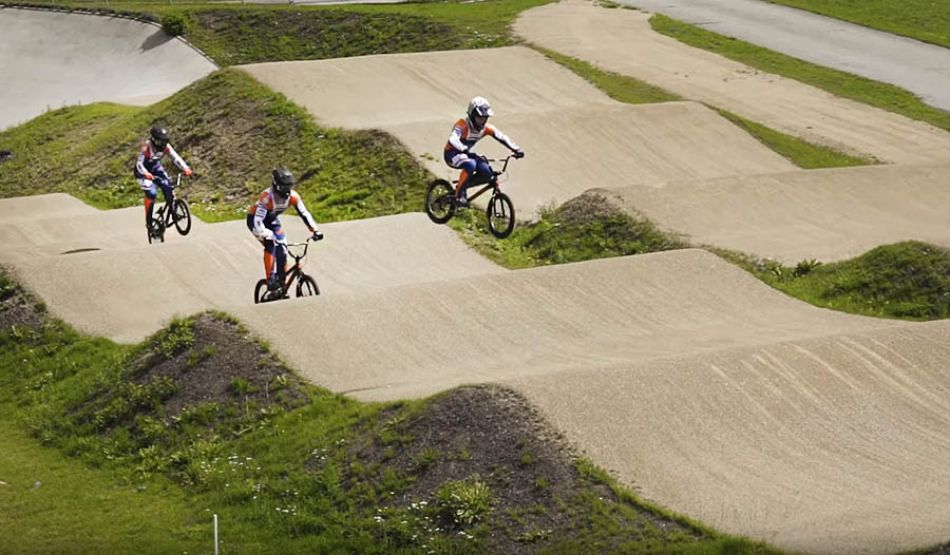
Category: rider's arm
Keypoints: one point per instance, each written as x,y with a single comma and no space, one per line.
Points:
501,137
458,132
176,158
140,161
260,213
305,215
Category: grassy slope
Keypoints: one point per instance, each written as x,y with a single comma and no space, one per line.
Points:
633,91
874,93
909,280
288,467
44,492
925,20
240,34
232,130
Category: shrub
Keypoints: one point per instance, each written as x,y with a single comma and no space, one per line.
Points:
174,24
464,502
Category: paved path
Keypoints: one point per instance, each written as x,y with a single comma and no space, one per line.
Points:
49,60
921,68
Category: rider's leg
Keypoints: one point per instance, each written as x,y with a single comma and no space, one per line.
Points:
148,187
280,256
468,168
168,191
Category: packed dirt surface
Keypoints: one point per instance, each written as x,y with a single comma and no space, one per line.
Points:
623,42
576,137
51,60
828,215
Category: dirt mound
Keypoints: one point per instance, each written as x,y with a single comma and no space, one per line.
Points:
17,307
212,359
491,434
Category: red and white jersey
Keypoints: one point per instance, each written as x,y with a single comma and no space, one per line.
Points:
150,160
270,205
464,137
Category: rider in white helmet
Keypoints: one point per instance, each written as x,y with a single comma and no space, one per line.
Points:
467,131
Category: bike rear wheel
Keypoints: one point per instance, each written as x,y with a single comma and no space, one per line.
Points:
157,233
181,216
307,287
501,215
440,201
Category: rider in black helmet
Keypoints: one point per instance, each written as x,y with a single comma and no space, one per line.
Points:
151,174
263,221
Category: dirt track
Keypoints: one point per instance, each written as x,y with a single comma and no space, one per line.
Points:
715,395
622,41
575,136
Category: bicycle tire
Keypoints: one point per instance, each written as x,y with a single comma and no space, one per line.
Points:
501,215
181,215
157,233
440,205
307,287
260,291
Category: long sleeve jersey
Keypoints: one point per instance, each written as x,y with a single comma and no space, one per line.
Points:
150,160
270,205
463,137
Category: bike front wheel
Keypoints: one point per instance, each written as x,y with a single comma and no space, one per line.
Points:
260,291
440,201
307,287
501,215
181,215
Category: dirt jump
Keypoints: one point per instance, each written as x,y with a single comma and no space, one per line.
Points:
575,136
51,60
711,393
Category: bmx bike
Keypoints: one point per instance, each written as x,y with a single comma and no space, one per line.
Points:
305,285
441,203
165,217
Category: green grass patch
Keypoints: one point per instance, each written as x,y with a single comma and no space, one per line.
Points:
924,20
909,281
587,227
242,34
233,131
839,83
58,506
619,87
798,151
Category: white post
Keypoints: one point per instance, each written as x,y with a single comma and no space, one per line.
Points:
216,552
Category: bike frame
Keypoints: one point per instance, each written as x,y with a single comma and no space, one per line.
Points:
297,269
493,180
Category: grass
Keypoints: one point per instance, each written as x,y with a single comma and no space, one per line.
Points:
296,469
924,20
621,88
874,93
584,228
634,91
233,131
908,281
241,34
55,505
800,152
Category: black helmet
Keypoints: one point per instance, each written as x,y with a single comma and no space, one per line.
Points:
282,181
159,137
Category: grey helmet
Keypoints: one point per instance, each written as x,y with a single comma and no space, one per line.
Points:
282,181
478,107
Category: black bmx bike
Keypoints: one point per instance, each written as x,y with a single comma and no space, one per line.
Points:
178,215
441,203
303,284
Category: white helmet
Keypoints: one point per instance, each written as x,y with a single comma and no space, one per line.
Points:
480,107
